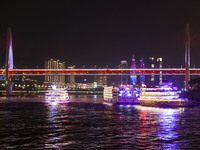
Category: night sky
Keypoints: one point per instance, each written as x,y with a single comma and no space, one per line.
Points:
101,32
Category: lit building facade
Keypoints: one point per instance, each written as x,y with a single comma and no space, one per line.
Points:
159,60
54,79
156,63
133,78
142,77
124,78
71,78
152,62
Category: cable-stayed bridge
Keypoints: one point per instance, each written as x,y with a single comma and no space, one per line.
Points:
9,71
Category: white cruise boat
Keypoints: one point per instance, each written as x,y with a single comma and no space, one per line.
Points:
56,94
110,94
161,96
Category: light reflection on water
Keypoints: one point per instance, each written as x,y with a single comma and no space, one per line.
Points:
167,120
86,122
53,138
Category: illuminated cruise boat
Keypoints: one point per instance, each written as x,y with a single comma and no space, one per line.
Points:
125,94
110,94
128,94
55,94
161,96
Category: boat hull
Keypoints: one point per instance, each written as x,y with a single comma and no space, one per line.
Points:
128,100
56,98
163,103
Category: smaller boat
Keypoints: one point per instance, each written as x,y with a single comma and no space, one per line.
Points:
56,94
163,95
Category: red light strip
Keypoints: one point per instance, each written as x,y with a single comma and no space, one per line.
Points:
168,71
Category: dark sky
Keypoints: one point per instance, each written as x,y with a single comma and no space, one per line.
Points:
100,32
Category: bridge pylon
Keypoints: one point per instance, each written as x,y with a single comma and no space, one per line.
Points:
9,63
187,57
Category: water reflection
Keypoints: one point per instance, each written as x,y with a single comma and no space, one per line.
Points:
162,121
108,104
169,123
54,139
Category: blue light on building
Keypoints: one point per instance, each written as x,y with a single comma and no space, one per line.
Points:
142,77
133,78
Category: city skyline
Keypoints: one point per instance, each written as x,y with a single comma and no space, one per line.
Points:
99,33
109,74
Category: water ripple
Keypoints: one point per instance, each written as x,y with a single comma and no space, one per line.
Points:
88,123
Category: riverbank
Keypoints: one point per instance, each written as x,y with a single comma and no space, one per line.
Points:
42,93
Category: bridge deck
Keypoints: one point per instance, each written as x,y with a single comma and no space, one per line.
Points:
163,71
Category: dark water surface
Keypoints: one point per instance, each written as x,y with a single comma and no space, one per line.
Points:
88,123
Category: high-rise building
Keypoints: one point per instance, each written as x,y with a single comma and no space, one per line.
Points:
124,78
152,67
133,77
55,79
142,77
159,60
156,63
71,78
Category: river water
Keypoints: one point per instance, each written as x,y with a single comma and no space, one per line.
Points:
86,122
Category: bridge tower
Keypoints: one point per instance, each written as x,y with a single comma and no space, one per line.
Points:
9,62
187,57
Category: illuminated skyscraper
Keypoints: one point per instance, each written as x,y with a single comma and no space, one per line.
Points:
159,60
54,79
152,66
142,77
133,77
71,79
124,78
156,63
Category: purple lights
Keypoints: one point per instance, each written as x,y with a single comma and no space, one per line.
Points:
128,91
133,77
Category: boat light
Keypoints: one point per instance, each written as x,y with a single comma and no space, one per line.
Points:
53,87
